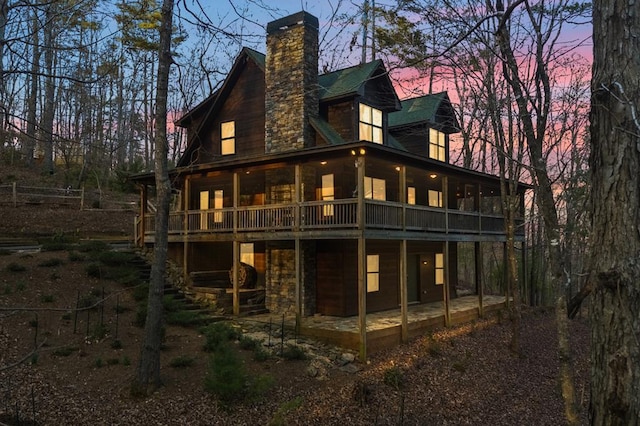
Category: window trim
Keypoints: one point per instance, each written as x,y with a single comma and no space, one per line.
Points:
228,141
370,124
437,145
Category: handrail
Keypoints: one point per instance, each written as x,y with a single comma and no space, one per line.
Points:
329,214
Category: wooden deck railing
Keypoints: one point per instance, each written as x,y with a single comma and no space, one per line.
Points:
335,214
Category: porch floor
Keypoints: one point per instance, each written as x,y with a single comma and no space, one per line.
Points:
384,328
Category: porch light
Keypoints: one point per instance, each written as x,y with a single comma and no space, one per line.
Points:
397,168
323,163
362,151
433,175
353,152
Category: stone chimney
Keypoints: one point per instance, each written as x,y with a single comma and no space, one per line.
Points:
291,82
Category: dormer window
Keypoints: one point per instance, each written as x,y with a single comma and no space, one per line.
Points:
228,138
370,124
437,147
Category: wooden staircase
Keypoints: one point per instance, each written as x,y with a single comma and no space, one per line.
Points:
214,286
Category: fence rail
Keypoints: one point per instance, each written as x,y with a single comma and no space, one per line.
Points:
19,194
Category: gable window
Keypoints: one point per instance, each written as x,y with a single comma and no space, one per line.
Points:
228,138
435,198
375,188
439,268
437,145
373,273
370,124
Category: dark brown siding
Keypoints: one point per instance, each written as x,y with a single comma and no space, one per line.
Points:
342,118
245,106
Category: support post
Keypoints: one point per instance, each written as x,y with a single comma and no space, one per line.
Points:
15,195
185,227
82,198
362,262
479,284
235,276
143,210
445,287
404,304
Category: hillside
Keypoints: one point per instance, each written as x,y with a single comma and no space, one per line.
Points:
62,367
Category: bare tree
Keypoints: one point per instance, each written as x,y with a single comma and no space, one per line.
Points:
614,267
148,371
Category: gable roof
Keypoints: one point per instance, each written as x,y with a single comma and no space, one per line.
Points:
203,107
435,109
351,81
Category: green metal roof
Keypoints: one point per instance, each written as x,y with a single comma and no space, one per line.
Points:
258,58
417,110
347,81
327,132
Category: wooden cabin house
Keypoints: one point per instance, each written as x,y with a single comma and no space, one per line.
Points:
338,194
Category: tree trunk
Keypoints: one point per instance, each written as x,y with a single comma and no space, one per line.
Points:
32,102
615,237
148,371
50,89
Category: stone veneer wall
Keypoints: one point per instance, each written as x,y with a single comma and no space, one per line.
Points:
281,277
291,80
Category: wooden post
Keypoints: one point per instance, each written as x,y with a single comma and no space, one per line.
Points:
479,285
404,304
297,249
143,209
185,229
362,262
82,198
15,195
236,276
447,313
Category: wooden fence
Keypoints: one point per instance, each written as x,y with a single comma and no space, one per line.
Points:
62,197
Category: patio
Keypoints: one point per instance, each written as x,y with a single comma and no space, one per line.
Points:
384,329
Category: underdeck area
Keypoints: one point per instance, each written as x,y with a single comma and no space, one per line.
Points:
384,329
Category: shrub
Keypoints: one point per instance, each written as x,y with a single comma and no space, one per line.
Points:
94,246
54,246
99,331
183,318
218,334
249,343
226,377
74,256
141,292
94,270
181,361
141,315
292,352
115,258
66,316
116,344
394,377
98,363
113,361
278,418
46,298
20,286
16,267
126,361
50,263
65,351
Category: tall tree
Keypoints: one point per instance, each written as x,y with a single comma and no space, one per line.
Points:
615,207
148,371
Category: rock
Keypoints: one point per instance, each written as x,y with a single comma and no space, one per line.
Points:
347,358
350,368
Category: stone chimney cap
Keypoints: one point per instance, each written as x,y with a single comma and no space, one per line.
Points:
300,18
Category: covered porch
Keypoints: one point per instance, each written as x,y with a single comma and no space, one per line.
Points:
385,328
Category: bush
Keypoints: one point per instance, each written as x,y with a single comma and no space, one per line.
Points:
141,292
218,334
115,258
65,351
46,298
181,361
50,263
292,352
183,318
94,270
394,377
93,246
74,256
141,316
54,246
226,377
16,267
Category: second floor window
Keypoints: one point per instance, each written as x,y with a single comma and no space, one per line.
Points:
228,138
370,124
437,149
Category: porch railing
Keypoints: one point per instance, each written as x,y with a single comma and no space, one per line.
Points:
329,214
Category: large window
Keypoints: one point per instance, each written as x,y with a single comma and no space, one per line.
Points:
411,195
247,254
375,188
228,138
437,145
373,273
370,124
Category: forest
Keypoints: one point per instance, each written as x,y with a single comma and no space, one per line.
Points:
536,91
